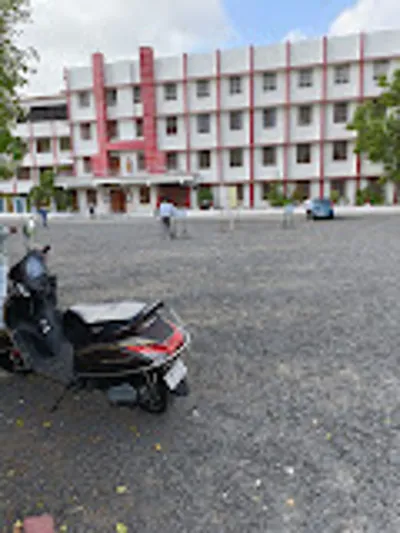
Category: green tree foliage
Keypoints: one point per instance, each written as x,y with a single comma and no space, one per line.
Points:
377,124
14,71
46,193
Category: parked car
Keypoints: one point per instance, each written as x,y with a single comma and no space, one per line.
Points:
320,208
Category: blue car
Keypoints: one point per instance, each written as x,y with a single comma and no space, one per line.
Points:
320,208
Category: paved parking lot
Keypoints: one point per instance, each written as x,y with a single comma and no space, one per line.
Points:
293,422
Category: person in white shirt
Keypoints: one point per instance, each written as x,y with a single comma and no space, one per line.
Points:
167,211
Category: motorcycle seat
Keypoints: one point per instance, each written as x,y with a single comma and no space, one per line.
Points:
85,324
101,313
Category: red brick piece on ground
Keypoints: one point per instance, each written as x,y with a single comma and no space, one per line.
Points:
39,524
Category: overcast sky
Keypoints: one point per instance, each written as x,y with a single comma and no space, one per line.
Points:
67,32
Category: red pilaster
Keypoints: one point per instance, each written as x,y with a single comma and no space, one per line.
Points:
155,160
100,161
218,117
251,126
322,125
287,120
71,127
186,111
360,98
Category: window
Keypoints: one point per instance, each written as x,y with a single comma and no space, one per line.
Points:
304,153
84,99
65,144
170,91
137,97
269,156
86,131
266,189
270,81
23,173
339,151
114,164
304,115
43,145
172,125
111,97
340,112
172,160
235,85
269,117
342,74
203,123
204,159
87,165
236,157
203,88
381,68
65,170
144,195
139,127
42,113
112,129
305,77
240,193
235,120
141,161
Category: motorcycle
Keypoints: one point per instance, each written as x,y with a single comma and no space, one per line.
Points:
130,350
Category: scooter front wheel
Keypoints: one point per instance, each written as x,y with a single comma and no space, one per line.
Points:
153,397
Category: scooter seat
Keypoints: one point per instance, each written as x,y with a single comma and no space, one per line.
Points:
119,312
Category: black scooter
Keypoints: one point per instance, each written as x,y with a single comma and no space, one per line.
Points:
130,350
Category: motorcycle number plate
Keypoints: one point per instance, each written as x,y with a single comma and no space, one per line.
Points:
175,374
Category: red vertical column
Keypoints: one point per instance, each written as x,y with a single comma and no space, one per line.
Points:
322,124
288,72
155,160
218,118
69,113
360,99
186,112
100,161
251,126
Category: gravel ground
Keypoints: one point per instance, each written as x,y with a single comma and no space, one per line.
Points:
293,422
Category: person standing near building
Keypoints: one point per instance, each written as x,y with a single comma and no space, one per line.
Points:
166,212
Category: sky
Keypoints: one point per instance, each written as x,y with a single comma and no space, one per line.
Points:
66,33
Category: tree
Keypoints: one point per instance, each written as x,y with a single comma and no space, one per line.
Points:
46,193
377,123
14,71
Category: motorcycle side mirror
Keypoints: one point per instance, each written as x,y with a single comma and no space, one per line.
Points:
13,229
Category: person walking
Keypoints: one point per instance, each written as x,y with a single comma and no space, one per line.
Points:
166,212
43,214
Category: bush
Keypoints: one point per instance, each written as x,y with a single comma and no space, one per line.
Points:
204,194
276,198
335,196
370,195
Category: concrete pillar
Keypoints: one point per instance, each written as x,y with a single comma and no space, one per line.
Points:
153,197
350,191
193,199
82,202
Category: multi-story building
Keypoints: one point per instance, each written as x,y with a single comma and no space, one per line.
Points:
241,118
46,132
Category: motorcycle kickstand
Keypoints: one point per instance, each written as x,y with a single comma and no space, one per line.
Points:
67,389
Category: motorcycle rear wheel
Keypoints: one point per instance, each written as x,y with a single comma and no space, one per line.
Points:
153,398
